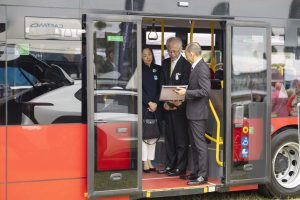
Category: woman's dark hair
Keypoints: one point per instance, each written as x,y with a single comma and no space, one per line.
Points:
153,59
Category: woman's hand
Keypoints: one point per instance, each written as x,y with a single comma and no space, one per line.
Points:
167,107
152,106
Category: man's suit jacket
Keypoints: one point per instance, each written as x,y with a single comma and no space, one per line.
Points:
198,92
180,75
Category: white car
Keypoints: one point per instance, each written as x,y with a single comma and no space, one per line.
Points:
64,105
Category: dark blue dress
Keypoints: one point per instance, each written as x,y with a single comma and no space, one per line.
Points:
151,88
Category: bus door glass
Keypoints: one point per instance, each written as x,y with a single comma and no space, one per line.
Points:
112,104
248,103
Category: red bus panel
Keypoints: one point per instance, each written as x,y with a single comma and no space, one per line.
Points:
46,152
2,192
280,122
113,146
2,154
48,190
249,136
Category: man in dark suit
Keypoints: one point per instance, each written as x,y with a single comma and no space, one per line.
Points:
197,95
175,71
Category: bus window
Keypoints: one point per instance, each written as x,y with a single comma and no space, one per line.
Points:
65,54
158,40
39,89
285,75
4,88
298,36
248,98
157,55
202,38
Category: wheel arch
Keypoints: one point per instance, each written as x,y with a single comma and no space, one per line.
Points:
284,128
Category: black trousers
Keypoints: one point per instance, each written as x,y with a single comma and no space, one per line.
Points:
199,147
176,140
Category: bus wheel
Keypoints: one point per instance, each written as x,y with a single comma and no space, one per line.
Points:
285,175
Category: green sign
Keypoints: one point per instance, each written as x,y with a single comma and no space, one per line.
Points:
115,38
23,49
251,130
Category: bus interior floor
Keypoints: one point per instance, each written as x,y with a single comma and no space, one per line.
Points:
155,181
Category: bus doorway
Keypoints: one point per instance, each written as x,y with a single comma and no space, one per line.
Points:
237,121
238,55
210,34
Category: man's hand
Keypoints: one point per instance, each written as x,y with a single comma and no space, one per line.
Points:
176,102
180,91
152,106
167,107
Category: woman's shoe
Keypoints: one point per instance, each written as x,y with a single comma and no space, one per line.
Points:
153,169
146,170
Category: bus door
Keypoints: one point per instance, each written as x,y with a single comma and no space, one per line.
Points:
113,104
248,89
4,89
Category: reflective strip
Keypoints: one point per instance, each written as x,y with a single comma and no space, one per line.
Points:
148,194
211,189
176,188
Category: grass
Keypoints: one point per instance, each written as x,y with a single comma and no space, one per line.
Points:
245,195
248,195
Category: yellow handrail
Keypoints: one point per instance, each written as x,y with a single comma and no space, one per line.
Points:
218,140
213,139
192,30
162,39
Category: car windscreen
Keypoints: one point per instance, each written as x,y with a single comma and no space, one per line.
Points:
28,68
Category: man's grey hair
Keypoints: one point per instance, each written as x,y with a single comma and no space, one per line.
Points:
194,47
176,40
169,41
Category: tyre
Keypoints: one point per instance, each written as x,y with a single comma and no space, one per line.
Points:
285,175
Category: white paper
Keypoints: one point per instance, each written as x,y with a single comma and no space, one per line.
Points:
168,93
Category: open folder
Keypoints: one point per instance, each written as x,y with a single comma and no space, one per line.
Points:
168,93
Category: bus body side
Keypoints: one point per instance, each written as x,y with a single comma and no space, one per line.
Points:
46,158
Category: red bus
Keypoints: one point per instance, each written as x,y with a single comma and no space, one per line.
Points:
71,129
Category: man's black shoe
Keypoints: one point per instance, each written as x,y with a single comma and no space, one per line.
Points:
165,170
153,169
198,181
176,172
146,170
188,177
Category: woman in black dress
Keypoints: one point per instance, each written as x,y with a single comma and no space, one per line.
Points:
151,91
